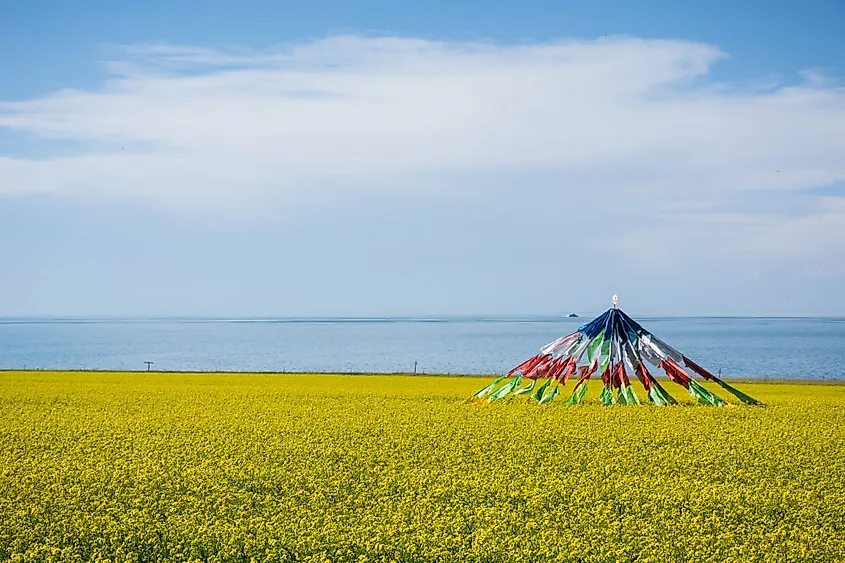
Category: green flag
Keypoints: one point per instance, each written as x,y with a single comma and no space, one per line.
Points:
538,394
594,344
506,388
632,396
703,395
550,395
621,395
483,393
581,392
738,394
527,389
606,397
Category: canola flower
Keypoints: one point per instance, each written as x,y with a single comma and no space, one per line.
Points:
217,467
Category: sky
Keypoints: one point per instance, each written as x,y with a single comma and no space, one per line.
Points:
375,158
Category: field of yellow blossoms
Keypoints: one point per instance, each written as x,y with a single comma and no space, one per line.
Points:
214,467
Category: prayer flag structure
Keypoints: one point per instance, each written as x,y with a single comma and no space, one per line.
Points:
611,344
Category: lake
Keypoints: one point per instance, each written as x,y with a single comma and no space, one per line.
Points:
801,348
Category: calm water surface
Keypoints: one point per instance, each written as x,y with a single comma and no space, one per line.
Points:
812,348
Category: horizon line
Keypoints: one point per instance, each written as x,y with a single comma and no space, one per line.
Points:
13,319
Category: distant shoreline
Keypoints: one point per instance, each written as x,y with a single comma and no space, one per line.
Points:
780,380
582,317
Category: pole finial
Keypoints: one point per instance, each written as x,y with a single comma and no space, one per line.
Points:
615,301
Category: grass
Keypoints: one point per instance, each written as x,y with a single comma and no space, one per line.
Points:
266,467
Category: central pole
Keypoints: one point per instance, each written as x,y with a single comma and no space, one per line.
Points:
615,301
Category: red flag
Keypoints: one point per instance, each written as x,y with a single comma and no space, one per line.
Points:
539,369
699,370
568,371
584,373
605,376
527,364
644,376
675,372
561,365
554,368
620,376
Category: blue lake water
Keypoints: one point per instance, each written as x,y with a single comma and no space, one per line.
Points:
811,348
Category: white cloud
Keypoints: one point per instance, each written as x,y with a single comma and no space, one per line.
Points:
629,128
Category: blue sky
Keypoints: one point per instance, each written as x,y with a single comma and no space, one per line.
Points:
421,158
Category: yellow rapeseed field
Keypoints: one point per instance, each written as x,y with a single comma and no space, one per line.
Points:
211,467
